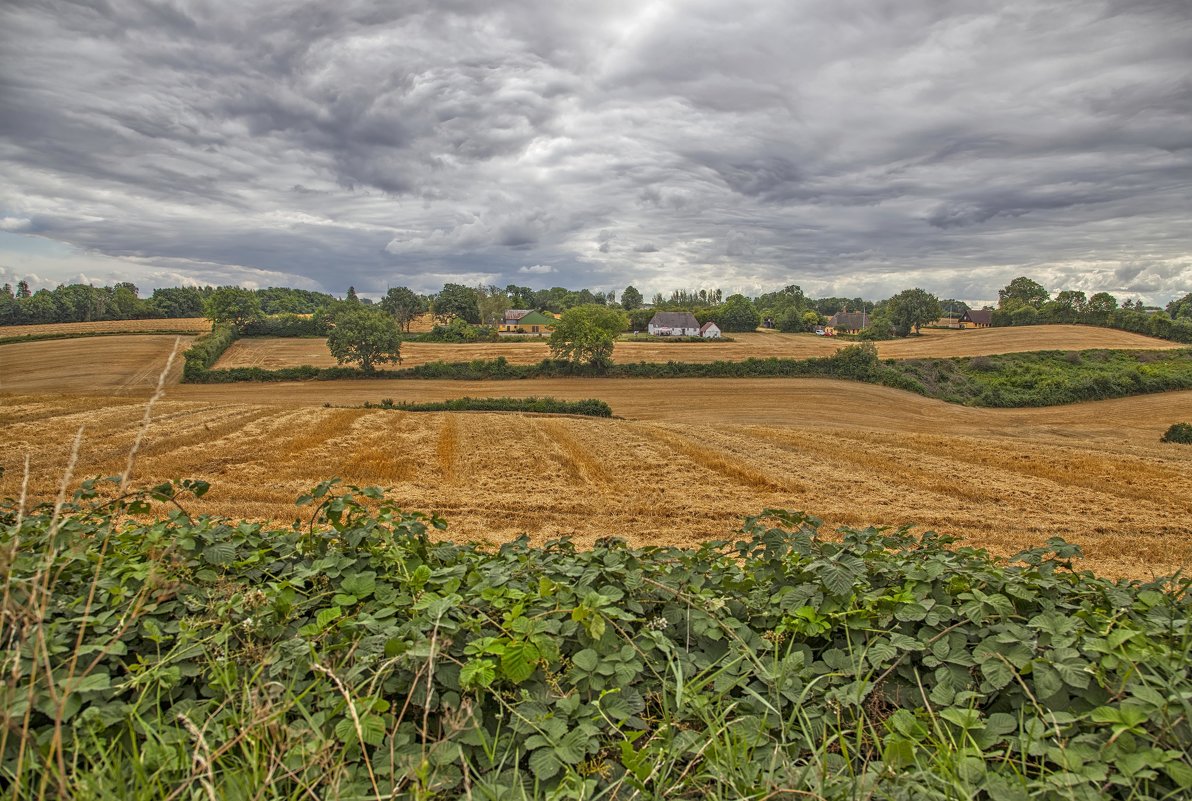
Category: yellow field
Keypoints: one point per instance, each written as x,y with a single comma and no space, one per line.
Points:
689,461
273,353
183,325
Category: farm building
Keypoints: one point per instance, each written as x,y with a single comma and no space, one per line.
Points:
673,324
709,330
977,318
848,322
526,321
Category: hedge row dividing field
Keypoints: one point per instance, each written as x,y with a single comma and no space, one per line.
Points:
148,655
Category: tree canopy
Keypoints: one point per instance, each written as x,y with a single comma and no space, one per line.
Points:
1022,291
364,336
738,314
231,304
586,334
403,305
911,309
631,299
457,300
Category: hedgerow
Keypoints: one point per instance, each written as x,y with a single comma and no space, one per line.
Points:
206,350
354,656
1178,432
1044,378
589,407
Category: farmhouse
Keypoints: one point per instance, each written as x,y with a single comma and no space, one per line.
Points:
977,318
845,322
709,330
673,324
526,321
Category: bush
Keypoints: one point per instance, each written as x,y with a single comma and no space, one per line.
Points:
371,659
1179,432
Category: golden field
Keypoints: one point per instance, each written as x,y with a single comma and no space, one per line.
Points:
272,353
688,460
182,325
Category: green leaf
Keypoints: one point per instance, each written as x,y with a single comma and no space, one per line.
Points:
899,753
328,616
361,585
573,747
371,726
518,661
219,553
586,660
477,673
837,580
89,683
1180,773
544,764
996,672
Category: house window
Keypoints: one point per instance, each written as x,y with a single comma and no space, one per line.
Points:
534,328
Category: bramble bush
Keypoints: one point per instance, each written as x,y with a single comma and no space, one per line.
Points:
588,407
150,653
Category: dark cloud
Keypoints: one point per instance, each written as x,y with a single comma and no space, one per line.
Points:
852,147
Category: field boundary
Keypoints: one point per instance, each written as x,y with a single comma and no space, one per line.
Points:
88,334
1012,380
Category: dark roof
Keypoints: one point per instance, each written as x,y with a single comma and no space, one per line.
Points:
849,320
674,320
978,316
516,314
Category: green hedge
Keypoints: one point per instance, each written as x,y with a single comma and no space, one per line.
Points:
352,655
589,407
287,325
205,351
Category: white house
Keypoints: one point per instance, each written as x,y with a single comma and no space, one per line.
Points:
709,330
673,324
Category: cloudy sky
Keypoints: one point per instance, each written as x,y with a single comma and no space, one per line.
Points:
852,146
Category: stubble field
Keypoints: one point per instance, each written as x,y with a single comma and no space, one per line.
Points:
689,460
272,353
184,325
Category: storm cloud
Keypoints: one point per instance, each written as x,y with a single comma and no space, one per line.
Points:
851,147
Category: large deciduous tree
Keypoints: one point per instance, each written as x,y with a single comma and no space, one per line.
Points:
457,300
366,337
403,305
232,304
1181,307
737,314
911,309
1021,292
586,334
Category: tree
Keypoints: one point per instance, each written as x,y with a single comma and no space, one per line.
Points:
352,296
911,309
585,334
23,290
1070,300
631,299
1020,292
738,314
1181,307
1102,303
231,304
365,336
403,305
457,300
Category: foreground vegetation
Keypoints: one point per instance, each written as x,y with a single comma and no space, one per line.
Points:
351,656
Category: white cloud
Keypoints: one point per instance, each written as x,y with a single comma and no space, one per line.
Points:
537,269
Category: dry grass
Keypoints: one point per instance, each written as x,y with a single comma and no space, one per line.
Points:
183,325
273,353
691,459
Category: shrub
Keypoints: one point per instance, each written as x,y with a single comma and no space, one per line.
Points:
1179,432
589,407
287,325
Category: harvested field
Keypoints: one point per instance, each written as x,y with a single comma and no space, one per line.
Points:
115,364
1093,473
689,461
183,325
271,353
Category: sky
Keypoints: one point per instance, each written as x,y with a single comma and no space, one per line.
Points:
853,147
